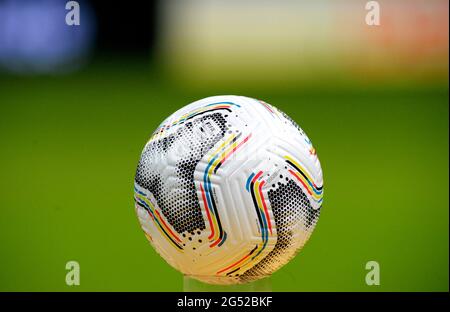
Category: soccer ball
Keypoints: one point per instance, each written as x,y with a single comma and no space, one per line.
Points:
228,189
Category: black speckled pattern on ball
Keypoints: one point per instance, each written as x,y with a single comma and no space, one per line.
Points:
290,121
292,212
177,196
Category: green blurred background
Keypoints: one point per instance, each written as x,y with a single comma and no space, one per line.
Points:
70,143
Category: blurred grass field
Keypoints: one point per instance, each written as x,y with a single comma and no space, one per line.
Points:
70,145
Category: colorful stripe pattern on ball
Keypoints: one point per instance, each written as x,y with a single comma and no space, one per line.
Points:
163,227
197,112
267,106
255,188
216,160
301,175
254,185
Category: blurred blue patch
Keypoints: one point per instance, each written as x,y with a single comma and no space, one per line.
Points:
35,39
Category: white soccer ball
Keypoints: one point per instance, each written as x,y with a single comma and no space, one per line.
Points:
228,189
